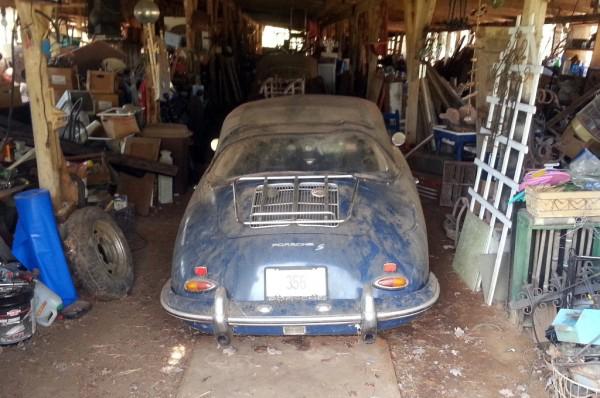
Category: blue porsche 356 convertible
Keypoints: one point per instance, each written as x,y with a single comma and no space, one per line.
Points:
307,222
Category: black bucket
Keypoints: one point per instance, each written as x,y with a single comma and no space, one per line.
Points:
17,318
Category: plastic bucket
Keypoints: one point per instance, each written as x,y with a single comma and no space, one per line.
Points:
17,321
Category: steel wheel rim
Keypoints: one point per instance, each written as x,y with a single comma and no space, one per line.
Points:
110,249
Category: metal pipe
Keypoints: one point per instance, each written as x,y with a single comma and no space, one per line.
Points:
419,145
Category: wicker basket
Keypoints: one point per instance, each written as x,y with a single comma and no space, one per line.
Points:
550,202
565,387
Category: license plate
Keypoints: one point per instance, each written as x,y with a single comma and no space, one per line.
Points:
298,283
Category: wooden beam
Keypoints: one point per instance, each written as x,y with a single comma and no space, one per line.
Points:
537,10
417,17
189,7
357,9
534,11
398,26
44,115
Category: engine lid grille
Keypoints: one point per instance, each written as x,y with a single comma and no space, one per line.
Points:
309,203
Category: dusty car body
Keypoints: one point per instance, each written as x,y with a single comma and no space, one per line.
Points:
307,222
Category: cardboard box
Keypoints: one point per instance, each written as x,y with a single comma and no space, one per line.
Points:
5,97
101,82
60,80
569,144
118,124
103,102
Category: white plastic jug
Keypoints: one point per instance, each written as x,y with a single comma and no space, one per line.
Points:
165,184
47,304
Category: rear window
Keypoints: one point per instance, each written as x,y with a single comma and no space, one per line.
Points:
305,153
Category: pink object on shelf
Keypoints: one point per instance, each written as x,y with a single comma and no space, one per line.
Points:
544,177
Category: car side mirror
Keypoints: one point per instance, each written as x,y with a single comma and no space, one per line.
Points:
399,139
213,144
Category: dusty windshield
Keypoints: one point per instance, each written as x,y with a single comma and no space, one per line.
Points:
305,153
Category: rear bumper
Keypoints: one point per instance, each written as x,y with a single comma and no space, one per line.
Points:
365,314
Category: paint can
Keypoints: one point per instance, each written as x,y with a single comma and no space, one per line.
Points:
120,202
17,318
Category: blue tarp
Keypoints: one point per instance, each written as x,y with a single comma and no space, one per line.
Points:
38,246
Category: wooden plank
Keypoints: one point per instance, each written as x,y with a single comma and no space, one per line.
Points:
573,107
131,162
143,164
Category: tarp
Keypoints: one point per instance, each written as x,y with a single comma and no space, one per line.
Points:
38,246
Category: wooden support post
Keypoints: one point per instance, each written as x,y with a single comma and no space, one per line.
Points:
45,121
373,18
417,17
595,62
189,7
537,9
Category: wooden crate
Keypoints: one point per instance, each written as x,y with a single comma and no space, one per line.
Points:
544,202
458,177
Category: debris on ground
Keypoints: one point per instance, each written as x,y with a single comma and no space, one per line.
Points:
459,332
229,351
274,351
456,372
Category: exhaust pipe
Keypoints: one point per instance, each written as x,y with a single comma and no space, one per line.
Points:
368,324
369,338
223,340
221,328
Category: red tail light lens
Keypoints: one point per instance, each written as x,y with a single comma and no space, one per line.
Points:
389,267
391,283
200,271
199,285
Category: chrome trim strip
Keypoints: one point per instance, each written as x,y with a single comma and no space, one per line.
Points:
314,320
391,275
300,177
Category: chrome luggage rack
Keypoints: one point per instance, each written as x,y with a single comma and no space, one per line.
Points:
311,201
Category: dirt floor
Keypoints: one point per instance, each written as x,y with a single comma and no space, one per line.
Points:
460,348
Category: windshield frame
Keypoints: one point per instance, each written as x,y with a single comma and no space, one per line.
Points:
392,172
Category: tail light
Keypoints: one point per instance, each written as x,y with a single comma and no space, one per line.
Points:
200,270
391,283
199,285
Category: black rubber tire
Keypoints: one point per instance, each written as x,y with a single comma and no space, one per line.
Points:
98,254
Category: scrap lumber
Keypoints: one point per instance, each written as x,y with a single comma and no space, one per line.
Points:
573,107
444,86
130,161
417,17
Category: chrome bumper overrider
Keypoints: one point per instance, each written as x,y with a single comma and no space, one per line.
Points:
220,316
